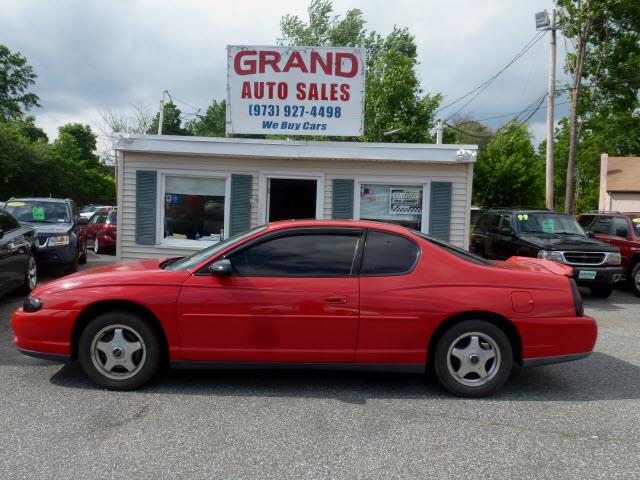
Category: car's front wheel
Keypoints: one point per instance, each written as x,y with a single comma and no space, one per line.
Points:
96,246
634,279
30,276
473,358
119,351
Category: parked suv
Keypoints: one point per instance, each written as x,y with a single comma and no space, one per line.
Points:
623,231
504,233
57,227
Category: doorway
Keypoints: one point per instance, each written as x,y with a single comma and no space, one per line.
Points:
291,198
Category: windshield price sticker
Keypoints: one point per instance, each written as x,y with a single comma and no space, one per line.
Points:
295,90
37,213
523,217
548,226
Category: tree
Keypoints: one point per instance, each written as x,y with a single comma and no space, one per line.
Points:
137,121
16,76
394,99
27,127
607,36
81,139
212,123
467,131
171,123
509,172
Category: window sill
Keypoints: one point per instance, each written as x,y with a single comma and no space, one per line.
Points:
185,244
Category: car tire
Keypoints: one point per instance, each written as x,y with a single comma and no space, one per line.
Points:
82,259
119,351
634,279
601,291
482,363
30,276
96,246
72,267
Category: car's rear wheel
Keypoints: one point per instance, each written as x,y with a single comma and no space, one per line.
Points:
634,279
119,351
601,291
473,358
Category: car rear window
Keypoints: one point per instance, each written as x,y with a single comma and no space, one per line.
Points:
388,254
457,251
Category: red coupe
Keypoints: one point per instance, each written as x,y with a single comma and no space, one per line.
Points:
323,294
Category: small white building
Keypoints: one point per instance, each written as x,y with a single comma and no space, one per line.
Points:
179,194
619,184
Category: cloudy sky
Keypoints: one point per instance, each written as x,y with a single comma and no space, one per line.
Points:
91,55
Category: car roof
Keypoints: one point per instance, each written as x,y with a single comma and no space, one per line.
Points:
40,199
526,210
282,224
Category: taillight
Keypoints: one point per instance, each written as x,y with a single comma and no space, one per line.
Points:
577,298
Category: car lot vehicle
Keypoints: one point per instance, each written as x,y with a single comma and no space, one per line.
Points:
88,210
313,293
58,228
102,230
18,269
623,231
502,233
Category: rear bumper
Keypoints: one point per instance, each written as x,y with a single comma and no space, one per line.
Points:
556,339
604,275
106,241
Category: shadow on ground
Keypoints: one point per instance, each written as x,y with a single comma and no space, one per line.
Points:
598,377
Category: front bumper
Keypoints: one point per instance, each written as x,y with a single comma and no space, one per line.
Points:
61,255
46,332
604,275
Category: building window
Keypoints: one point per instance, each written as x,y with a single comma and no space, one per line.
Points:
194,208
399,204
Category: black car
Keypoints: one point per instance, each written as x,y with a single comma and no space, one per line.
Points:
18,248
504,233
61,241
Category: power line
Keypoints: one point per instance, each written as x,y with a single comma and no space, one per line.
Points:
480,88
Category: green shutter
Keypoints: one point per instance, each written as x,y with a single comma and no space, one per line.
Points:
146,201
342,202
440,210
240,205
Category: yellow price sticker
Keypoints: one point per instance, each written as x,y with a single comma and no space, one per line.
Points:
15,204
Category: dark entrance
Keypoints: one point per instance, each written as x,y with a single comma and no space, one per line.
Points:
291,198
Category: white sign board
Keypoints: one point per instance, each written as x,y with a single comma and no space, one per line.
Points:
295,90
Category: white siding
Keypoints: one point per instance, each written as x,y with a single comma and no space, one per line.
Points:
457,173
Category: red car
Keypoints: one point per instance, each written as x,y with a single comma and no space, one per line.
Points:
102,230
621,230
328,294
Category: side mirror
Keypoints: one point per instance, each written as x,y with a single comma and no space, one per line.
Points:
221,268
82,221
506,231
590,234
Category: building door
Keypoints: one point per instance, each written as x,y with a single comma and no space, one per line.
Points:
291,198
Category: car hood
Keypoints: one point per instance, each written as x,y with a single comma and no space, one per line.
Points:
144,272
49,228
566,242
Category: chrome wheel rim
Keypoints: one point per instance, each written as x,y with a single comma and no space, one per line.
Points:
118,352
636,279
95,245
32,273
473,359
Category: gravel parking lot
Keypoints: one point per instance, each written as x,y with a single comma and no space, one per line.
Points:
574,420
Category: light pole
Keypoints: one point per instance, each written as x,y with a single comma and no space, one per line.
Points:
543,22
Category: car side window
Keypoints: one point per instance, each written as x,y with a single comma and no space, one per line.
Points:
388,254
602,225
299,255
7,222
494,223
585,221
506,222
481,226
620,227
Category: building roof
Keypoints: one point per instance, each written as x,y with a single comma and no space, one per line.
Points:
312,150
623,174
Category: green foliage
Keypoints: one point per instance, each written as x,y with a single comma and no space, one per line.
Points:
212,123
467,131
394,99
509,173
16,76
172,122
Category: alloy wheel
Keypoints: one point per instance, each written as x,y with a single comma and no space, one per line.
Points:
32,273
473,359
118,352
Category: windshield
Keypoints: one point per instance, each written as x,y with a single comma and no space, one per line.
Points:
548,223
458,252
39,211
187,263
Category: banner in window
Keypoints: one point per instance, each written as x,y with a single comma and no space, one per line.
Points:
405,201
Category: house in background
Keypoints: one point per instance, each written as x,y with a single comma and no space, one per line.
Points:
178,194
619,184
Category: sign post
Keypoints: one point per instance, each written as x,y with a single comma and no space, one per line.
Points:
295,90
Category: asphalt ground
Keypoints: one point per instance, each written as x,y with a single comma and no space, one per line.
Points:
575,420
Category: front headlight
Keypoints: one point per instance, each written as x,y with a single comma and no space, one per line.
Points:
31,304
59,241
613,259
550,255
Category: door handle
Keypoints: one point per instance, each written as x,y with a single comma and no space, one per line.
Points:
336,299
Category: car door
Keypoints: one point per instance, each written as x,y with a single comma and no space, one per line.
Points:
14,251
293,297
621,237
505,244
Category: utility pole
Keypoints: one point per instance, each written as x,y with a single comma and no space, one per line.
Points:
548,201
161,113
439,132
